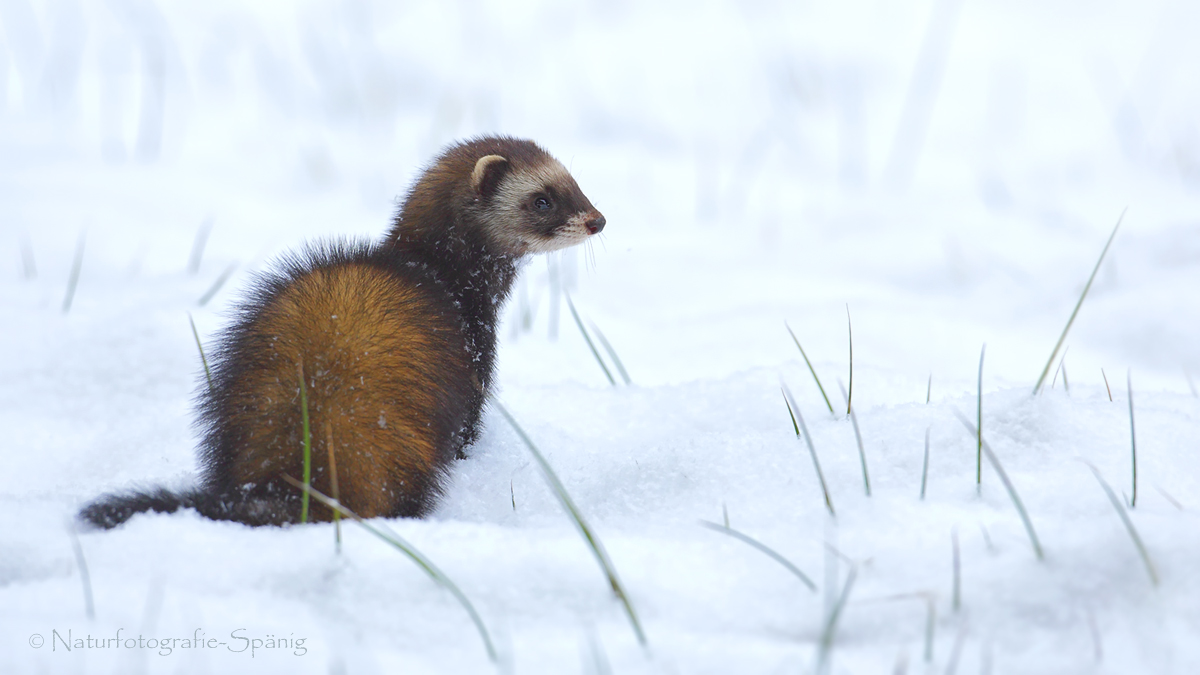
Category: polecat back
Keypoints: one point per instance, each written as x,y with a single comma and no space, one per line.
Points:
395,343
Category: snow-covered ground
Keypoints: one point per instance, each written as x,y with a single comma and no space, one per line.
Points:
947,171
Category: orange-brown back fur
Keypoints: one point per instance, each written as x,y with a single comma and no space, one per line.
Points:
373,353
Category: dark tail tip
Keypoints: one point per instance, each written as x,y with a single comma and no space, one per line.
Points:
112,510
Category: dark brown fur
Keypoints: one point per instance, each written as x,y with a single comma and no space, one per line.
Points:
396,343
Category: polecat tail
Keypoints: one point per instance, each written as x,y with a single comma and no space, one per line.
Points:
265,505
112,510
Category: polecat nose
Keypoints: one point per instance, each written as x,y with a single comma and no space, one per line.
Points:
595,224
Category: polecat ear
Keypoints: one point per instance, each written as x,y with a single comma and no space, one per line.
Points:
487,174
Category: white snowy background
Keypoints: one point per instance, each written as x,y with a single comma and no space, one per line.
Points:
947,170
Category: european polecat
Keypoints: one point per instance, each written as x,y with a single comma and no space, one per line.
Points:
395,341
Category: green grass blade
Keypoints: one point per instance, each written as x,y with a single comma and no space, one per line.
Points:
725,529
597,663
198,245
930,626
84,577
28,264
587,338
1062,368
1012,491
956,650
862,455
212,290
1132,437
929,599
925,467
810,367
307,440
612,354
830,630
956,593
73,280
850,336
1050,362
576,516
795,427
399,543
203,358
1133,533
1167,496
333,486
797,417
979,423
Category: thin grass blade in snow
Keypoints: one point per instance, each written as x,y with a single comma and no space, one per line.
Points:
73,281
1054,377
979,423
27,261
797,417
862,455
198,246
925,465
725,529
850,337
1086,287
203,358
306,440
831,622
956,594
956,650
597,663
1012,491
407,549
1132,437
922,95
84,577
1169,498
930,625
576,515
795,427
587,338
208,295
929,599
810,367
333,486
1133,533
612,353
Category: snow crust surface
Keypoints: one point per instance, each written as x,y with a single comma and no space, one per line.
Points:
945,172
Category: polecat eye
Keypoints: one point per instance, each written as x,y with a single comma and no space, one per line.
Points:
542,204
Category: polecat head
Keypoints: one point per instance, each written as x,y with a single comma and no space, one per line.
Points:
527,201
